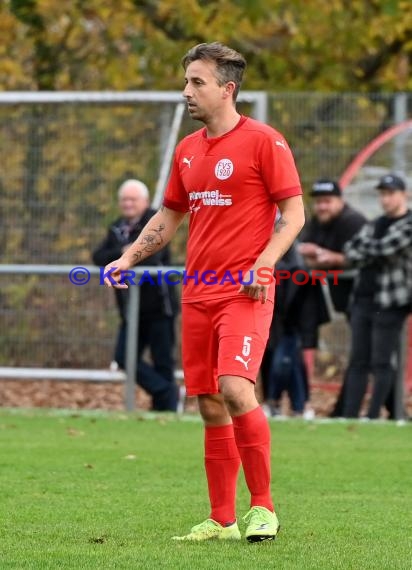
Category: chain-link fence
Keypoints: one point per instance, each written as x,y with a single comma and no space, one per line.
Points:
48,322
61,165
328,133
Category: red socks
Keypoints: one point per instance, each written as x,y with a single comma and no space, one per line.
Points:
222,464
249,437
252,436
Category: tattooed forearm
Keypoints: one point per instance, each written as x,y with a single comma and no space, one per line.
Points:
137,256
149,243
281,224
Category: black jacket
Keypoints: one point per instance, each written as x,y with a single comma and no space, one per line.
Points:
155,301
333,236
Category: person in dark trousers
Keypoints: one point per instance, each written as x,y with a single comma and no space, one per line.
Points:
382,298
158,305
321,244
283,368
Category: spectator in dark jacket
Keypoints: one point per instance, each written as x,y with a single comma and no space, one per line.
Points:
322,240
382,297
158,304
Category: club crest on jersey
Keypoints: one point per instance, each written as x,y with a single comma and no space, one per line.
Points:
224,169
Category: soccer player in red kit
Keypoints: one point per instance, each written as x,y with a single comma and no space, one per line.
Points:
230,177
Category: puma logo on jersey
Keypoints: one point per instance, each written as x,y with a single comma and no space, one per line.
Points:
188,161
280,143
245,362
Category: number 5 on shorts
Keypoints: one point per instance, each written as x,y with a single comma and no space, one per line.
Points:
246,345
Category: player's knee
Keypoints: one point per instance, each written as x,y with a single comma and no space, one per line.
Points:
212,409
235,404
237,401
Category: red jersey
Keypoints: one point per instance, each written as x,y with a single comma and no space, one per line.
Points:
230,186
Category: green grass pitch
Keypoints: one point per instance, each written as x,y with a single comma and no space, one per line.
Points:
108,490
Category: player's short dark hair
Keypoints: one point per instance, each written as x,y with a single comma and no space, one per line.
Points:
230,64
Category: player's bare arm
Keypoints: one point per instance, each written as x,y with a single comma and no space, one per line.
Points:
156,234
287,229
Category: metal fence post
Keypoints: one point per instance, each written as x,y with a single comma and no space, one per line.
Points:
260,107
168,155
399,159
399,410
131,347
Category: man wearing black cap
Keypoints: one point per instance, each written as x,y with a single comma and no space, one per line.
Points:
382,297
333,223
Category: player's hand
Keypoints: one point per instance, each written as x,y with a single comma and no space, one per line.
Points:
114,272
258,288
328,258
323,256
308,249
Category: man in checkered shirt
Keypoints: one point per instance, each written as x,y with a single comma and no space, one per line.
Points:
382,297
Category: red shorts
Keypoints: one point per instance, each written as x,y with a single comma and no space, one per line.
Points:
223,336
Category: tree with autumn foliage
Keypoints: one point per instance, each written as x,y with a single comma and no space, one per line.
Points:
322,45
293,45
